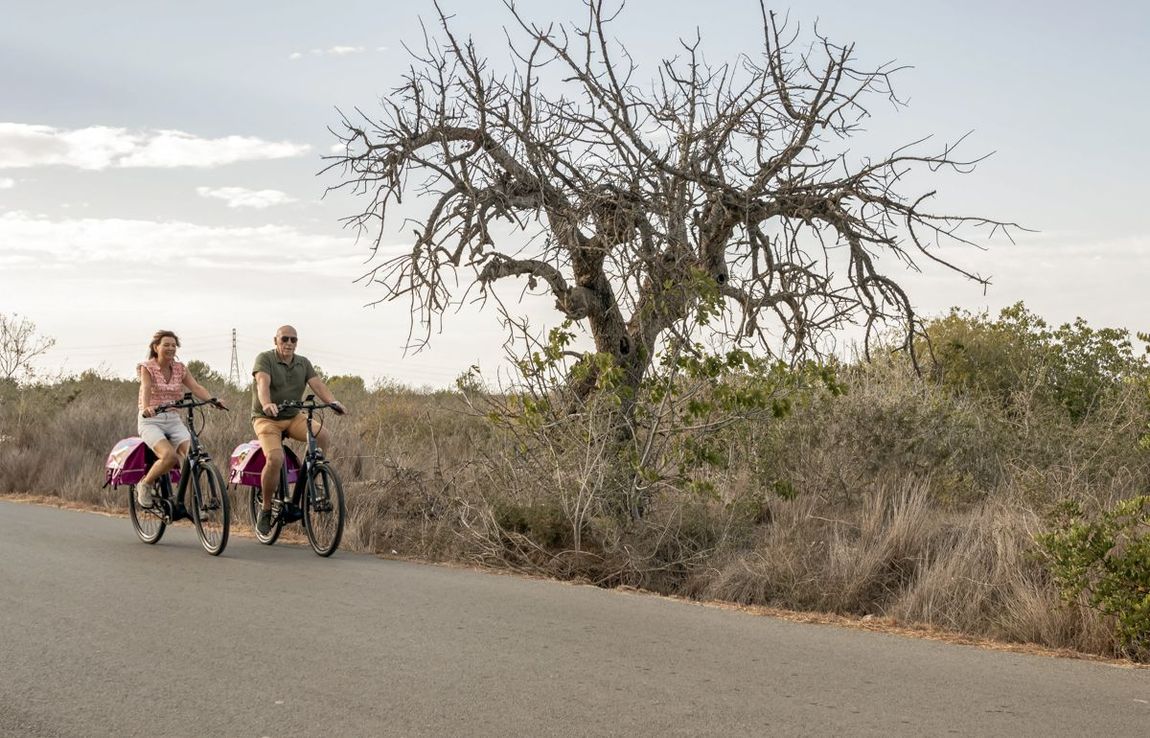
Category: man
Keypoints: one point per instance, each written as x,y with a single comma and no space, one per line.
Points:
281,375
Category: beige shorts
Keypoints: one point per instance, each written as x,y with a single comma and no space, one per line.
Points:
163,427
270,431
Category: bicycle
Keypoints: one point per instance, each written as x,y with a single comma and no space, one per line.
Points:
316,497
210,511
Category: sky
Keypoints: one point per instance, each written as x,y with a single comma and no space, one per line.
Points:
160,163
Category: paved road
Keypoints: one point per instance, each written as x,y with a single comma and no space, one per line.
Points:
101,635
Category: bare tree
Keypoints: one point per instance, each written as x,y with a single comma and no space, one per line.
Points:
19,345
635,203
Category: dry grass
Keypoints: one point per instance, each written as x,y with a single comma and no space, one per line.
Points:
912,508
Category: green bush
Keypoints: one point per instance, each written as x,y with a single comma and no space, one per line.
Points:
1018,359
1105,560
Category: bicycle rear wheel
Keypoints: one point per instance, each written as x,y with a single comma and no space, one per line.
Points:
148,522
210,508
255,504
323,510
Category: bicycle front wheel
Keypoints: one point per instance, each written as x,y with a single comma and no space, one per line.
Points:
210,508
148,522
323,511
255,504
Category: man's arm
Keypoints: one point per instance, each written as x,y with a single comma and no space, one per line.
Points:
320,389
264,393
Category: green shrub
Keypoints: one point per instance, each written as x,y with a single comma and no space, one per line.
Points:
1105,560
1018,359
543,522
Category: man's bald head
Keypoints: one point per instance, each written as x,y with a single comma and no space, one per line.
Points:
285,340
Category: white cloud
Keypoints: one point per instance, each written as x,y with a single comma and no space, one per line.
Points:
1059,278
241,197
97,147
7,183
102,147
131,247
338,50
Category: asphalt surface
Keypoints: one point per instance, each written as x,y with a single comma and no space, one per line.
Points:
101,635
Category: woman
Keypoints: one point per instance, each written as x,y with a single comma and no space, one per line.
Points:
162,380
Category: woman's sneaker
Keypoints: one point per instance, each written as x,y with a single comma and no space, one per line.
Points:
144,496
264,522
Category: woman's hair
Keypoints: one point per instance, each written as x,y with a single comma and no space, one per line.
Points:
160,336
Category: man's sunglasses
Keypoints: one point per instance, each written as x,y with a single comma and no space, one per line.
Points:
289,339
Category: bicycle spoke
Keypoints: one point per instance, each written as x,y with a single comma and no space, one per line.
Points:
148,522
210,509
255,504
324,510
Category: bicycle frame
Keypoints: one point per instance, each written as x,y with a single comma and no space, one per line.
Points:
312,457
196,457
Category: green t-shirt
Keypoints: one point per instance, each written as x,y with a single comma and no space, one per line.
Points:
288,382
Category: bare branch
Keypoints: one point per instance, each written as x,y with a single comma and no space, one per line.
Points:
20,344
617,196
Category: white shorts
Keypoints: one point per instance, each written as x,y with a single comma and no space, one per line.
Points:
165,426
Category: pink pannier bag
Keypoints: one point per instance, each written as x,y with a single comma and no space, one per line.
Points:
129,462
248,461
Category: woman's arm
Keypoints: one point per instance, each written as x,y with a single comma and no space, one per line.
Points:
198,390
145,400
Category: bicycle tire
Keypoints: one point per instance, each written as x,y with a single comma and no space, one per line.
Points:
255,504
210,510
324,510
149,527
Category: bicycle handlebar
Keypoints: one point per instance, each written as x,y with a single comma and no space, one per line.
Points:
187,402
311,404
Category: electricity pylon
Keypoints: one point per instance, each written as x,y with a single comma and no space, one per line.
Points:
234,373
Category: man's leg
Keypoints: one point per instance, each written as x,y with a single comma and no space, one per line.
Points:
322,438
297,431
270,476
270,435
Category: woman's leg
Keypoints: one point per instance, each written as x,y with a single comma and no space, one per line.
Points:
182,453
166,460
